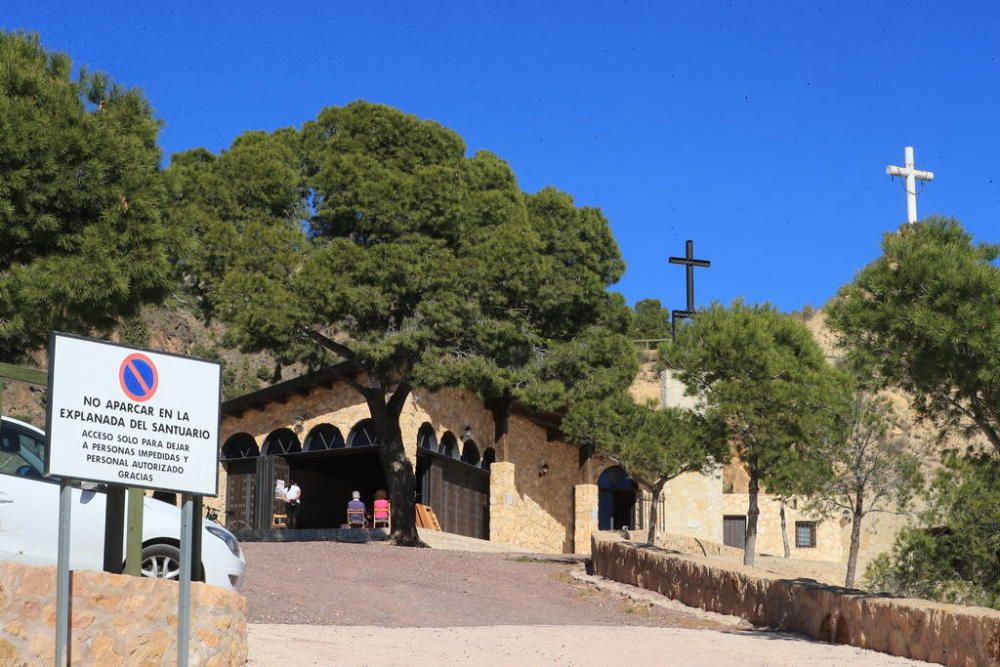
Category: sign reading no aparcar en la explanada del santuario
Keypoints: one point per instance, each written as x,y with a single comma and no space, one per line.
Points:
132,417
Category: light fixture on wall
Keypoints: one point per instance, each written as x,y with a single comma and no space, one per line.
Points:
297,427
543,470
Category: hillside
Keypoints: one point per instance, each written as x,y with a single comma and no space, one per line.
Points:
172,329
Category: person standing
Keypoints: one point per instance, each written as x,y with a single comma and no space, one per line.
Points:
293,499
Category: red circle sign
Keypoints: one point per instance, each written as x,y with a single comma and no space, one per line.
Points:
138,377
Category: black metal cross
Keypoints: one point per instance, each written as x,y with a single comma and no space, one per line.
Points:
689,263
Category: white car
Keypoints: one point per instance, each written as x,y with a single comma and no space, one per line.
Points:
29,519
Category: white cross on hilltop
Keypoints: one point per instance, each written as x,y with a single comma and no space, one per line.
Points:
912,176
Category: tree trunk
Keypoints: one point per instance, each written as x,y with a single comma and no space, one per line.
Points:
852,557
396,465
655,491
753,512
784,528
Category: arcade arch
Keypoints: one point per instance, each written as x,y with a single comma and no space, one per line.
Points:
282,441
363,434
240,446
449,445
322,437
470,453
426,437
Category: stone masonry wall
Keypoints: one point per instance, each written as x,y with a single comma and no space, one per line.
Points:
537,509
693,505
829,535
585,516
948,634
116,620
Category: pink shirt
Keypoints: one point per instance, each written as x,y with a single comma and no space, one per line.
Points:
381,507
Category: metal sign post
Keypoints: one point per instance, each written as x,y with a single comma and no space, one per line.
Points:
62,574
184,595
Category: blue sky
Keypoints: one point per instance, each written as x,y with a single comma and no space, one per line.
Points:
760,130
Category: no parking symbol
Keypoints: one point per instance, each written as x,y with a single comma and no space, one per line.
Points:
138,377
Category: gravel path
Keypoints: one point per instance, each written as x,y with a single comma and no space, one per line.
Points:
565,646
328,583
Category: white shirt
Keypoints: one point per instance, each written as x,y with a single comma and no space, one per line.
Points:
293,493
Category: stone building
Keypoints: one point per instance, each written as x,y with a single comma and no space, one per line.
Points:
529,488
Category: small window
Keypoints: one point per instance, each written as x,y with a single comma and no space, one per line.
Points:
805,534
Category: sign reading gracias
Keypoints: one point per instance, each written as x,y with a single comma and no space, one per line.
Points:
132,417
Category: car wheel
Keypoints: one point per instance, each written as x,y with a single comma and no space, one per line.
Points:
161,561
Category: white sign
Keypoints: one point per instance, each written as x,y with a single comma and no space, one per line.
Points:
132,417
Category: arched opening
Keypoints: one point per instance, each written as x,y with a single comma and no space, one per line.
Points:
282,441
363,434
470,453
489,458
240,446
427,438
616,493
324,436
449,445
241,456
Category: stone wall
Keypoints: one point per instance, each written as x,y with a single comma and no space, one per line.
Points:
948,634
829,532
532,502
693,505
116,620
584,517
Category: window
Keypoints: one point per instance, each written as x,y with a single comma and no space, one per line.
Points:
805,534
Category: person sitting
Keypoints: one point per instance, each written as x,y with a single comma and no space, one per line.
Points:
380,509
356,511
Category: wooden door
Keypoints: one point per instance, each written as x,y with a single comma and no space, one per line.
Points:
734,531
241,491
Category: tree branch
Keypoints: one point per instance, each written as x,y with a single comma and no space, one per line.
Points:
330,344
343,351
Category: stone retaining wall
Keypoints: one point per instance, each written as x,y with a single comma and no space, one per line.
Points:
947,634
116,620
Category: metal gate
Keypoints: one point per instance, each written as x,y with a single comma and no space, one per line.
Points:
458,492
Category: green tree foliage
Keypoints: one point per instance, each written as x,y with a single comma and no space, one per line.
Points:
244,206
651,320
426,267
925,316
873,468
956,558
653,446
763,375
80,198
